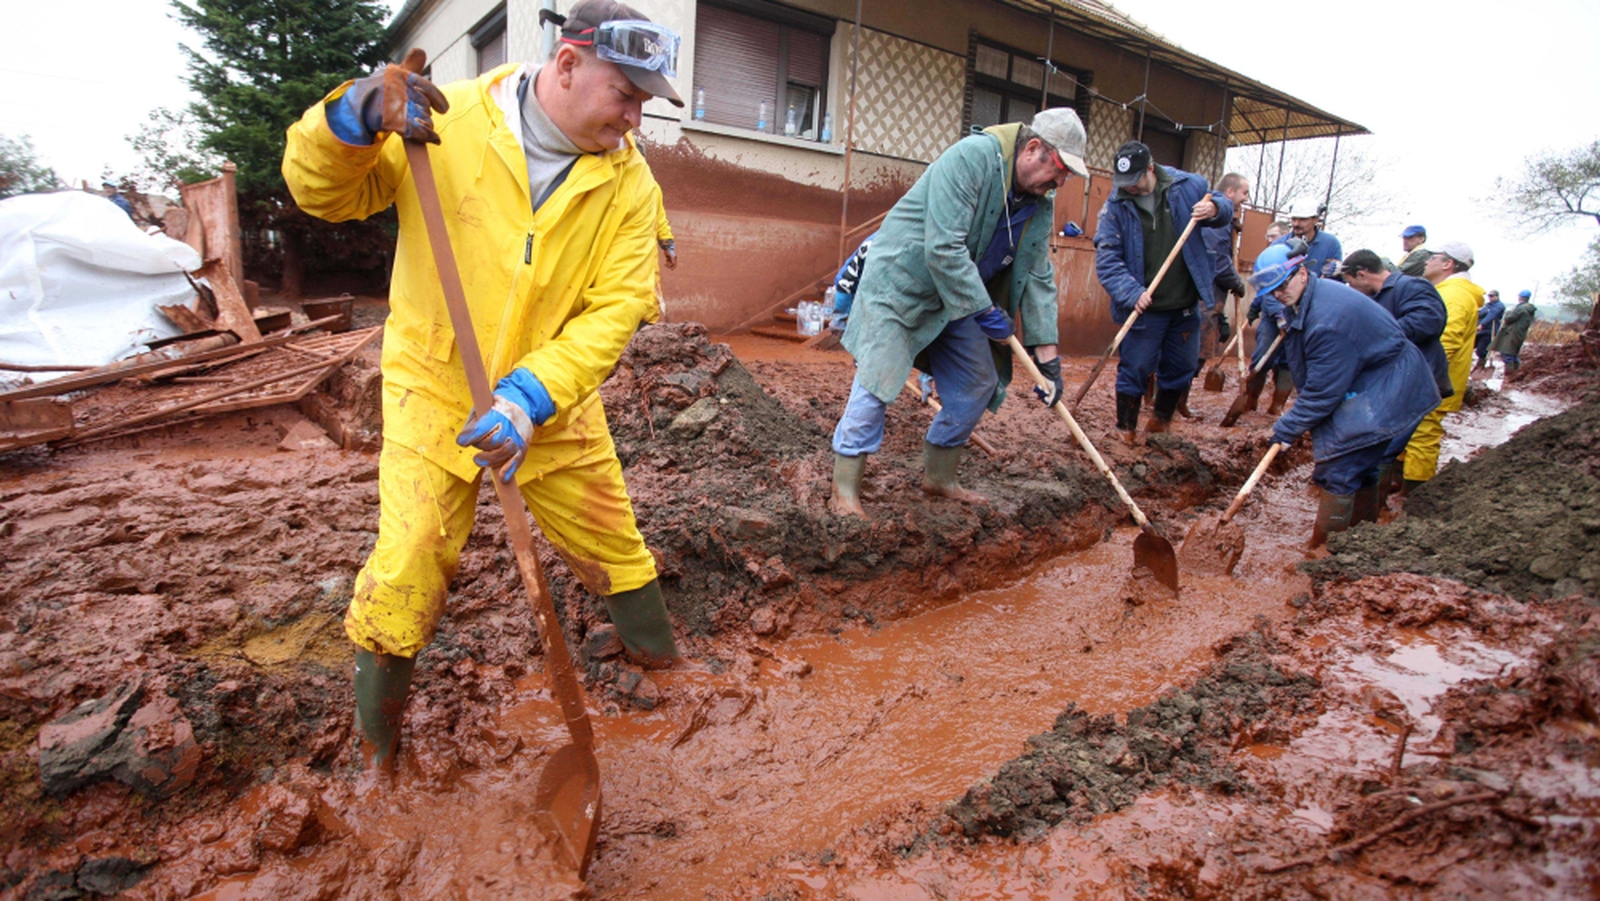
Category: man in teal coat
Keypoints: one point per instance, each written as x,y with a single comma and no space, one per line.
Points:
959,259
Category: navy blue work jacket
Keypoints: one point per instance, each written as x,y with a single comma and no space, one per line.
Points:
1119,242
1219,243
1360,381
1419,310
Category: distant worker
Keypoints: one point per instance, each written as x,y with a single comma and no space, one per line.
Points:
1416,258
1217,330
113,194
1447,270
552,317
1362,386
1324,253
1490,317
1515,330
957,260
1278,229
1149,207
846,282
1415,304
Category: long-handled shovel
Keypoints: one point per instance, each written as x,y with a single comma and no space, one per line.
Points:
1242,402
1150,550
1215,547
1215,380
1134,317
567,799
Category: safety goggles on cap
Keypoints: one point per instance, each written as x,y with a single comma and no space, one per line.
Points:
1268,279
632,42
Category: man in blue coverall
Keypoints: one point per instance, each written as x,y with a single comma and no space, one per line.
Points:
1139,226
1490,316
1363,386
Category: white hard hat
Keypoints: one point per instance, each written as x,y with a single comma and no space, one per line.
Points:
1304,209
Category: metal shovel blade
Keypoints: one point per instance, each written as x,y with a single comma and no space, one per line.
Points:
1155,553
1215,380
567,805
1212,548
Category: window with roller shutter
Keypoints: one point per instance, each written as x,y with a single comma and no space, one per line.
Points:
748,53
1006,85
489,40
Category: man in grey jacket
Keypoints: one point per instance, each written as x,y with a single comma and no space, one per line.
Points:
959,259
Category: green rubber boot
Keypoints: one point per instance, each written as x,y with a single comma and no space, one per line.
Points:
1334,514
847,475
1367,504
640,616
939,474
382,683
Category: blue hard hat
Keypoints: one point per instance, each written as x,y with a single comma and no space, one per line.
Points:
1414,231
1276,264
1524,293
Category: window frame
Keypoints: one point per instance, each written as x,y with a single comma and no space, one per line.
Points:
787,19
489,29
1013,90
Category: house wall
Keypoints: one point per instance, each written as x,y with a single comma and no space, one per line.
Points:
756,216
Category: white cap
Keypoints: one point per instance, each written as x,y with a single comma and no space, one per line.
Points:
1061,128
1458,251
1304,209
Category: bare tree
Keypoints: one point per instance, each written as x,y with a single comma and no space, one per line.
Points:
1354,201
1555,188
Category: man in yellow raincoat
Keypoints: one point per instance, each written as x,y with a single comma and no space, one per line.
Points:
1447,269
551,211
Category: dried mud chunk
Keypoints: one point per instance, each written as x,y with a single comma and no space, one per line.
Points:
288,820
692,421
138,738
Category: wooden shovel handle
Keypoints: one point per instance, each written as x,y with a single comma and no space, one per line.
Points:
1077,433
558,660
1250,483
1132,318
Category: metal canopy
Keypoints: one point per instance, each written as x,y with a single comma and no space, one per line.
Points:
1257,111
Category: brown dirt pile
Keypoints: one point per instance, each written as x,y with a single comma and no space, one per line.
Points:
1522,518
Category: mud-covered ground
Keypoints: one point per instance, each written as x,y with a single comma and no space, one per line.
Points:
174,698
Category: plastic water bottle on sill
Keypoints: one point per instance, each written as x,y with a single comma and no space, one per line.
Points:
827,129
700,104
761,119
789,123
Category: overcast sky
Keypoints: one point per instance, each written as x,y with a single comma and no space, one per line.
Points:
1455,93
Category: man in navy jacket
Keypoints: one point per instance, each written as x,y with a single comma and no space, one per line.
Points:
1138,227
1363,386
1490,317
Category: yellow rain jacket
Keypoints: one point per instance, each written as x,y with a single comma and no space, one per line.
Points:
559,292
1462,297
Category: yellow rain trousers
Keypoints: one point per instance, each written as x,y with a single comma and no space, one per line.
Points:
559,293
1461,301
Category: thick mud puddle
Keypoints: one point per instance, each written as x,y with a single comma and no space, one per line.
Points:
1471,429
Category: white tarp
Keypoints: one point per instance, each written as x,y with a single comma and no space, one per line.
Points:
79,282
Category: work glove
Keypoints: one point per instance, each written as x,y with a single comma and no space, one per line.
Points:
520,403
925,383
1224,328
394,99
994,323
670,249
1051,370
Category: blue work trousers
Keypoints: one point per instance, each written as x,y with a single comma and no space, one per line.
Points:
963,370
1166,343
1358,469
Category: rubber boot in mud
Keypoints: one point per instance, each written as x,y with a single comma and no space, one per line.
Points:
1253,389
1183,402
847,475
1280,396
1385,484
939,474
1334,514
644,626
1397,475
1128,417
1167,401
1368,503
382,683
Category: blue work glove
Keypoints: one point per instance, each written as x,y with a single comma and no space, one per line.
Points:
925,382
1052,371
994,322
502,434
393,99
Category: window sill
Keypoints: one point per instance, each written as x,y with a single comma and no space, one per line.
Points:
750,134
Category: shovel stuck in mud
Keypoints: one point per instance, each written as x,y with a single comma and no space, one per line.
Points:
1243,401
1215,380
566,802
1213,546
1150,549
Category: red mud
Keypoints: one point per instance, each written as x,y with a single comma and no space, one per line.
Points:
871,685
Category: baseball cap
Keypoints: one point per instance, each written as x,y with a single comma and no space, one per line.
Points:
1524,293
580,26
1414,231
1061,128
1132,161
1458,251
1304,209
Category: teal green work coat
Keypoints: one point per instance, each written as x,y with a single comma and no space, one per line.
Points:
922,272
